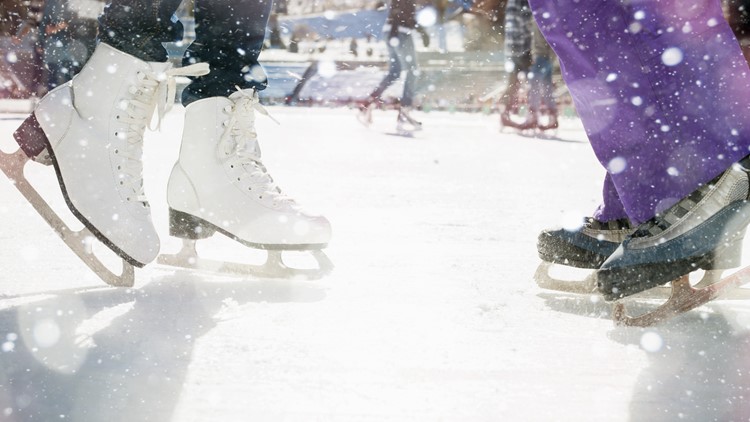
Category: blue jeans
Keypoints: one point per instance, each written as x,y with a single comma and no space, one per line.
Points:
541,88
229,37
402,56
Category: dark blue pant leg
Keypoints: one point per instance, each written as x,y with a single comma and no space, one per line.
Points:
139,27
402,55
408,57
229,37
394,72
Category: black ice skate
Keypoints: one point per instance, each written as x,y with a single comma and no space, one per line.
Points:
703,231
586,248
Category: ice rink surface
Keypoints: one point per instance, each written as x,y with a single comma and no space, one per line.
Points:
430,314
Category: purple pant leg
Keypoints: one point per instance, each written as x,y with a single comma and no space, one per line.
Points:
663,91
611,207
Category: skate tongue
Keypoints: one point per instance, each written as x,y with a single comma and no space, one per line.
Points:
240,140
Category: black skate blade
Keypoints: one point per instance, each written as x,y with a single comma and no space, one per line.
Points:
273,268
78,241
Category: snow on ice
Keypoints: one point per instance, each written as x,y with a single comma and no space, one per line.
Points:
430,314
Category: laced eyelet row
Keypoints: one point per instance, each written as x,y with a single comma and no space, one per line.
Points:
239,140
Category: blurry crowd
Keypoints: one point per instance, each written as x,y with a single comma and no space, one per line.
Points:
45,42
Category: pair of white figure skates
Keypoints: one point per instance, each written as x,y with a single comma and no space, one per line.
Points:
91,131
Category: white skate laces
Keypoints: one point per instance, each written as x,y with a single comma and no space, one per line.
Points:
239,148
152,92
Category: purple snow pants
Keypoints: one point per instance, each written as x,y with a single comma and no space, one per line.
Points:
662,89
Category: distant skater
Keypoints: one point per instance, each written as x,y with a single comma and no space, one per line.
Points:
399,29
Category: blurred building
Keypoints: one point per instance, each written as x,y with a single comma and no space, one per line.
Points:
304,7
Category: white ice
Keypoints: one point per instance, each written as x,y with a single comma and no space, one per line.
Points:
431,313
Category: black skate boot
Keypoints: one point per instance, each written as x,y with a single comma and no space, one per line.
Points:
587,247
703,231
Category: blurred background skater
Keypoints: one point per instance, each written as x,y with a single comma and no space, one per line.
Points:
542,103
23,23
738,15
518,59
399,29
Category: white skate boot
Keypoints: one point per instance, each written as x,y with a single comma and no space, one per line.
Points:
91,131
364,113
406,125
220,184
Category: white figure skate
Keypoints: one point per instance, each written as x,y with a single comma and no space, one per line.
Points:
406,125
91,131
220,184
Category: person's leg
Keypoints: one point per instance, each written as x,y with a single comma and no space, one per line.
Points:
139,27
541,92
591,244
517,50
739,19
229,36
407,55
536,78
661,89
509,99
394,72
219,182
535,85
55,75
518,34
547,89
542,103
